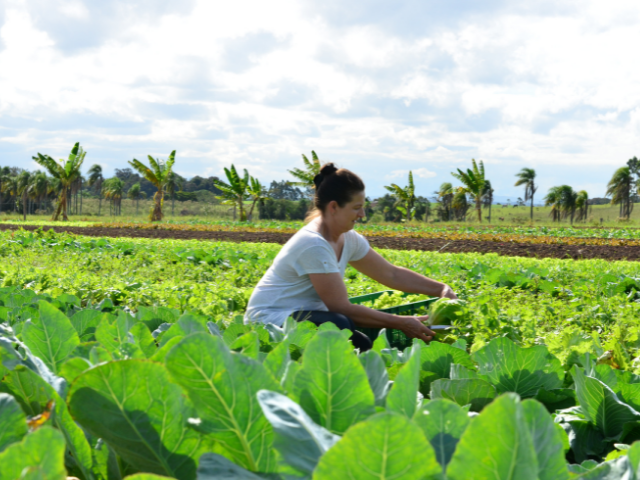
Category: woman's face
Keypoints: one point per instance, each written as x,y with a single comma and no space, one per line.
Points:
346,217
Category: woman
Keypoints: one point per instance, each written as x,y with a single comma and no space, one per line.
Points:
305,280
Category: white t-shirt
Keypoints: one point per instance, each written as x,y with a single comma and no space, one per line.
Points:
286,288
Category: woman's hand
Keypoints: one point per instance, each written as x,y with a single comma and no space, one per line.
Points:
447,292
414,327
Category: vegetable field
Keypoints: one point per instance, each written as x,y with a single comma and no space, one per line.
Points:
128,358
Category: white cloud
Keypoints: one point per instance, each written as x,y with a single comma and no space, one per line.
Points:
417,173
368,86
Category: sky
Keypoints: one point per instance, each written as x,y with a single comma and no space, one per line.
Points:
379,87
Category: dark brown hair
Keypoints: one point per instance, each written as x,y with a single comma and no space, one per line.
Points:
333,184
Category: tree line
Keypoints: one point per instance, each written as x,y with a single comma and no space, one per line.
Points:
60,189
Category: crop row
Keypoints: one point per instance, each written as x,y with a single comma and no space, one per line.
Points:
101,392
560,303
544,236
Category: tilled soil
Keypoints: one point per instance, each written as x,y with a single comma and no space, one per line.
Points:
396,243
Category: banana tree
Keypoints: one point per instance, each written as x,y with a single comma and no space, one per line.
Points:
159,175
257,192
235,192
305,177
474,182
67,172
405,197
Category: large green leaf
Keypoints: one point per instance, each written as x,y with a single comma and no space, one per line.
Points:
512,368
601,406
277,361
143,339
585,440
377,375
438,357
497,445
50,336
13,421
468,391
33,395
39,455
299,440
332,386
384,447
223,387
85,323
10,358
547,441
443,423
113,334
403,397
135,407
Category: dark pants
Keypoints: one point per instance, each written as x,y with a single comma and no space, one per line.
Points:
359,339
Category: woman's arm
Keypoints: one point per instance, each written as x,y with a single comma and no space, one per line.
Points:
373,265
333,292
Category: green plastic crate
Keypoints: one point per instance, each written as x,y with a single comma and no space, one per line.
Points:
396,338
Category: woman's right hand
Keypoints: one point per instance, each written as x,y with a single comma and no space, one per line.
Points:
414,327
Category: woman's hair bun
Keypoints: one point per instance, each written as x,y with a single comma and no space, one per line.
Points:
326,170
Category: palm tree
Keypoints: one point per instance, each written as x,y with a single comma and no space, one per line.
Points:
473,181
174,183
568,199
405,197
159,174
582,205
66,171
113,189
305,177
445,196
134,194
257,192
487,197
554,199
22,189
10,186
235,192
527,177
459,204
39,188
95,182
620,188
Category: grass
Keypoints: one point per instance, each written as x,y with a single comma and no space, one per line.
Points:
202,212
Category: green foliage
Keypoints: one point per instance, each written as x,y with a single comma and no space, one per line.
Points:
447,312
385,446
40,455
223,387
147,416
332,386
150,338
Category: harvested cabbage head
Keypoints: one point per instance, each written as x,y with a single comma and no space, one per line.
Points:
445,311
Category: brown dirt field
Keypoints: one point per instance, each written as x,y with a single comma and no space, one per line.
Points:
446,246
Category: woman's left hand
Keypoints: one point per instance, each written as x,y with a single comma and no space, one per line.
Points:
447,292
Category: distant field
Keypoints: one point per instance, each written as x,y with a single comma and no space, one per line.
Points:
202,212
